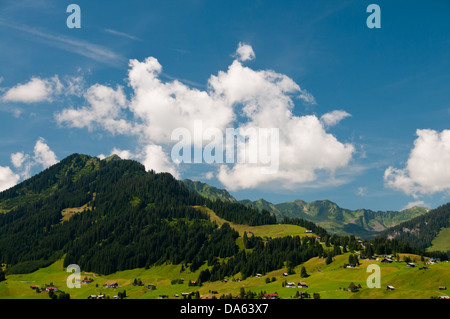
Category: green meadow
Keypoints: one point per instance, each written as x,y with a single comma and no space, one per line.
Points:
272,231
329,281
442,241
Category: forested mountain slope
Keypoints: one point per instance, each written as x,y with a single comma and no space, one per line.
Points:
132,218
422,230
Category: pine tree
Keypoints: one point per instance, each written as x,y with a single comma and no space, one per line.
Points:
303,273
245,239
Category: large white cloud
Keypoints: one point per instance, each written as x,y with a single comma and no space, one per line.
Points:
258,98
305,149
304,146
427,170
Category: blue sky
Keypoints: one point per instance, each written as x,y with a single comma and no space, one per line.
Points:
71,90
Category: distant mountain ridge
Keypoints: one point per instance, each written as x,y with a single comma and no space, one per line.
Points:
364,223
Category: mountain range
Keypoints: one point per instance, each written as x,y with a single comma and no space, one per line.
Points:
363,223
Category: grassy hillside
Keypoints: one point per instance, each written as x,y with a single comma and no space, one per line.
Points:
441,242
277,230
329,281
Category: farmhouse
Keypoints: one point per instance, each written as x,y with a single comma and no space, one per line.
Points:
302,285
290,285
48,289
34,287
442,288
151,287
410,265
270,296
308,231
111,285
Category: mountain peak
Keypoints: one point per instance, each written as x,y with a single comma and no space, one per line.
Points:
113,157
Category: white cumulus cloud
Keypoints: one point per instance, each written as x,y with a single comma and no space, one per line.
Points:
7,178
105,108
35,90
162,107
18,158
245,52
42,155
334,117
427,169
156,159
266,100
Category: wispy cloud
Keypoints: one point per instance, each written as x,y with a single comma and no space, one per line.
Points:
122,34
362,191
90,50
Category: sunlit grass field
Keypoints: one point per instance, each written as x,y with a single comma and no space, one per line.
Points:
329,281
